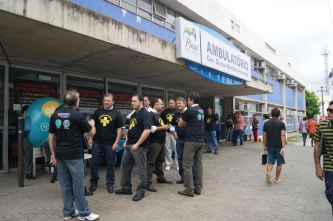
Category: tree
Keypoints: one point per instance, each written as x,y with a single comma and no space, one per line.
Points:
312,104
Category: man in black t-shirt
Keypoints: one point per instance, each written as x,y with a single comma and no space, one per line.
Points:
210,130
108,123
67,127
179,135
193,118
135,149
156,149
167,116
274,141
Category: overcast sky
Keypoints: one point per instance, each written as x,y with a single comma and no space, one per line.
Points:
296,29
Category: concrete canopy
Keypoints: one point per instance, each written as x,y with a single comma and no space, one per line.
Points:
121,52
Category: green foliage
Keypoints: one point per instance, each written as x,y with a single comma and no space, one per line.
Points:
312,104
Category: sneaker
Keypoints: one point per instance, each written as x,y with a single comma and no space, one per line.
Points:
178,168
167,168
90,217
76,213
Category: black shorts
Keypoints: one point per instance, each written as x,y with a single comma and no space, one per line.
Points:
311,136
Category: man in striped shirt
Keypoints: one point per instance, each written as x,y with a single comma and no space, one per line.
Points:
325,128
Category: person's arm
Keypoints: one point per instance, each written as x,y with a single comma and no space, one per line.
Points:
143,137
89,141
264,141
283,140
119,134
53,160
319,170
181,123
164,127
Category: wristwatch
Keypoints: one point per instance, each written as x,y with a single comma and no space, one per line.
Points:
116,142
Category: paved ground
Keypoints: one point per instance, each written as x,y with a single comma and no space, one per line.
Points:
234,189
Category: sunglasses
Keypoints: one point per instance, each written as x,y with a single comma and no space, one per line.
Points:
329,110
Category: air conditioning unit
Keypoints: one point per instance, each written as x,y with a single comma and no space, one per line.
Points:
290,81
282,77
247,107
262,65
288,112
247,52
293,112
300,113
295,84
269,110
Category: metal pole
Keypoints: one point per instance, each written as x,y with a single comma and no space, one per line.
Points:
322,102
20,133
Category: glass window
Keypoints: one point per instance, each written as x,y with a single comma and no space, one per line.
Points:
144,14
153,93
116,2
129,6
91,93
175,94
160,9
171,16
133,2
146,4
159,20
30,85
122,94
2,78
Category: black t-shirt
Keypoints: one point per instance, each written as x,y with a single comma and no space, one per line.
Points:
195,128
107,122
68,125
167,116
273,129
139,122
159,136
181,131
210,122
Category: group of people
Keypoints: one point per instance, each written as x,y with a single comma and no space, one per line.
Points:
149,130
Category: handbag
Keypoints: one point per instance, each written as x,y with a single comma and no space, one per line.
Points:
263,158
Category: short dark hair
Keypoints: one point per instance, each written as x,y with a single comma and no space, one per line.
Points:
24,108
209,107
331,103
275,112
109,95
139,96
304,118
71,98
195,96
266,116
154,101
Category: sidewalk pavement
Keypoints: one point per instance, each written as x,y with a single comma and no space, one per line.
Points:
234,188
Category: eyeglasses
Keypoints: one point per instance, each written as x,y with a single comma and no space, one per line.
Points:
329,110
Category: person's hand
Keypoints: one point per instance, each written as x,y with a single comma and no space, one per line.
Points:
175,136
135,147
115,146
125,144
53,160
320,173
265,149
166,127
89,143
282,151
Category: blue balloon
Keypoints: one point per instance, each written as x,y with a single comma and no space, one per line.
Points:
39,113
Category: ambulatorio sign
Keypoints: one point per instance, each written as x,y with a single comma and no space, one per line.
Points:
212,52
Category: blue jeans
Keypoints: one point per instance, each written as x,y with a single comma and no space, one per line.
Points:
180,152
211,137
71,178
228,134
329,187
238,133
96,151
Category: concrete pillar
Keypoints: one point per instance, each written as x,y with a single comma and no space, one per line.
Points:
264,96
304,104
284,108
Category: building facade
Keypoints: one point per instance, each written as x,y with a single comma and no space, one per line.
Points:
130,46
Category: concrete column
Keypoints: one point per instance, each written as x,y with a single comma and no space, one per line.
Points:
264,96
284,108
304,104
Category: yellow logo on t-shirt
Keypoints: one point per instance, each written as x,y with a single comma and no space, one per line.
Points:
169,117
161,121
105,119
208,120
132,123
